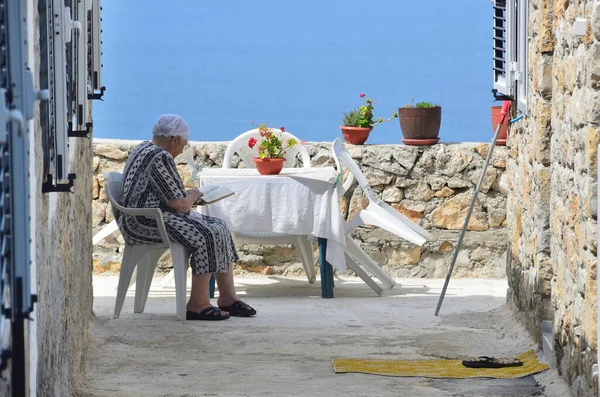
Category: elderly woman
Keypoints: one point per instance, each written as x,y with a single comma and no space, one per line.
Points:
151,180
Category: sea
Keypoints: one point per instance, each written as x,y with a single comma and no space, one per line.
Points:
222,65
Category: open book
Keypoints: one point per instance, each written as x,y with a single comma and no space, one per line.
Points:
213,193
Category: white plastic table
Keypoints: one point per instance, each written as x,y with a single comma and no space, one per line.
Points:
298,201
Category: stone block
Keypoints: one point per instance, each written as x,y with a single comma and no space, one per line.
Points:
482,149
395,160
592,64
452,214
501,184
392,194
425,166
412,214
546,24
376,176
95,163
109,214
110,151
436,182
444,192
404,256
358,202
496,211
595,20
545,77
488,179
95,188
356,151
419,192
455,160
98,213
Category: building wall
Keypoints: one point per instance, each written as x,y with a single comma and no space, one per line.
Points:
63,255
552,179
432,185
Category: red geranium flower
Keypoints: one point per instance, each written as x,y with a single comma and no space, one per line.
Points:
362,95
252,142
282,129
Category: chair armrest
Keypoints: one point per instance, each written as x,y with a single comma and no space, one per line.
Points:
151,212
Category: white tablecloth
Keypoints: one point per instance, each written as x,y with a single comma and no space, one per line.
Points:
298,201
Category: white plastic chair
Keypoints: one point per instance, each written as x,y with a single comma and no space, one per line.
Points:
145,256
302,243
240,146
377,213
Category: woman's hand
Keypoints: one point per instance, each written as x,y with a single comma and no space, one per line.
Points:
185,204
195,193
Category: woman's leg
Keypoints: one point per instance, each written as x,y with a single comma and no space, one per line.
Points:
228,300
226,286
199,299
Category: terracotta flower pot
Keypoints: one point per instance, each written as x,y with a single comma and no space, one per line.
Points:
420,126
355,135
268,166
503,135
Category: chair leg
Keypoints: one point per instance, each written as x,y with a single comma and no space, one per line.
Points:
145,272
180,264
211,286
305,249
354,250
131,255
355,267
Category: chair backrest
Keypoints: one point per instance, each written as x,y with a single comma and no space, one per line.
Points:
113,183
240,146
189,158
341,155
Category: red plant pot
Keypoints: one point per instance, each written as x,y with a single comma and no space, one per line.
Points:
503,135
268,166
355,135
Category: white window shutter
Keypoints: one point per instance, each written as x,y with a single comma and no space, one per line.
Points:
504,47
522,12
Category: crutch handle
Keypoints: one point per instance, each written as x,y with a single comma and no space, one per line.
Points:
504,111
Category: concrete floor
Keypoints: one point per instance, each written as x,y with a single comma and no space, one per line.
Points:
286,349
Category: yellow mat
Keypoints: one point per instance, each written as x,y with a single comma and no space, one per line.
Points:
437,368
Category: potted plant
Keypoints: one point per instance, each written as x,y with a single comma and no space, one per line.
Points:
271,150
358,123
420,123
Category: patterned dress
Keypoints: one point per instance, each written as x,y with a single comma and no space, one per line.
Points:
150,180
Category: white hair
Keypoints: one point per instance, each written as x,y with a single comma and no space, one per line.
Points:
171,125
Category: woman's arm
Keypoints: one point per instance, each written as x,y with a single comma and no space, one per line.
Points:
186,203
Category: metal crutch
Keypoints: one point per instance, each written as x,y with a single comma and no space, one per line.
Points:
503,114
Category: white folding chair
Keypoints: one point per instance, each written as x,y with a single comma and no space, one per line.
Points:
302,243
145,256
105,232
377,213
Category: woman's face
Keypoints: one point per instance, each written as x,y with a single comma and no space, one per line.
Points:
178,144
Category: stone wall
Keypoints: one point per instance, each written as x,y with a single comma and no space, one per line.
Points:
551,206
432,185
63,255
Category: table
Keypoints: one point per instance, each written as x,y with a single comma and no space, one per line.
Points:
298,201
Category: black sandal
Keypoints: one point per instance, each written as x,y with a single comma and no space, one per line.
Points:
492,362
209,314
239,309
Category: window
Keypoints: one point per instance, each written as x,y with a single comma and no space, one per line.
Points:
510,51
